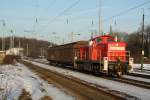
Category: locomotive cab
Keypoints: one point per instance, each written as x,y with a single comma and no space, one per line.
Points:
110,54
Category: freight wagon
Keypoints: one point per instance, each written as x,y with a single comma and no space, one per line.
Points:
64,54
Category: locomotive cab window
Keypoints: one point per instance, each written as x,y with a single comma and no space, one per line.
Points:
110,40
98,40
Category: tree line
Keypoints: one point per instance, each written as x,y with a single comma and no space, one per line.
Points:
31,47
134,42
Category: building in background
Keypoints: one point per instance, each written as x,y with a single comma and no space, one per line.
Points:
15,52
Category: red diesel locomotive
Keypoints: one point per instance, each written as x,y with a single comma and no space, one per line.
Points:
102,54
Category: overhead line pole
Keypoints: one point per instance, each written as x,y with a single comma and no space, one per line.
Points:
3,36
100,17
142,53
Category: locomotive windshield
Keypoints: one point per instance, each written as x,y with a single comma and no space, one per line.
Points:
104,39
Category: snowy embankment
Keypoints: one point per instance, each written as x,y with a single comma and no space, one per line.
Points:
138,92
15,78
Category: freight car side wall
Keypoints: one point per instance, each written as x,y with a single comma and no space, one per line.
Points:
61,54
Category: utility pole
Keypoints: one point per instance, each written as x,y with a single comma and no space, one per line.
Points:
148,36
54,33
10,46
11,39
27,50
100,18
42,52
110,31
3,37
115,25
19,44
72,36
92,29
63,41
142,51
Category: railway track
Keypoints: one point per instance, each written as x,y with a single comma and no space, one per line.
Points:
91,91
146,71
139,75
83,89
134,82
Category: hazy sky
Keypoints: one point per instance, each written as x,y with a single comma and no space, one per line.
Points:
41,18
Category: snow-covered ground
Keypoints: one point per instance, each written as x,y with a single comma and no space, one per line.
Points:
14,78
138,92
145,71
145,66
41,60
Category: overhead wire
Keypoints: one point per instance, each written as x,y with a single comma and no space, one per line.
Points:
76,2
64,11
123,12
60,14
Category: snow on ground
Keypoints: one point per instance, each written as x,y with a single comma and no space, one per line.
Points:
145,66
137,67
138,92
41,60
14,78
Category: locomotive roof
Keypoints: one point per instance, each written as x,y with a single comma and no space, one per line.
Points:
103,36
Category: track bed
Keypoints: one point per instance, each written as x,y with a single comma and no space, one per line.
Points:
78,88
